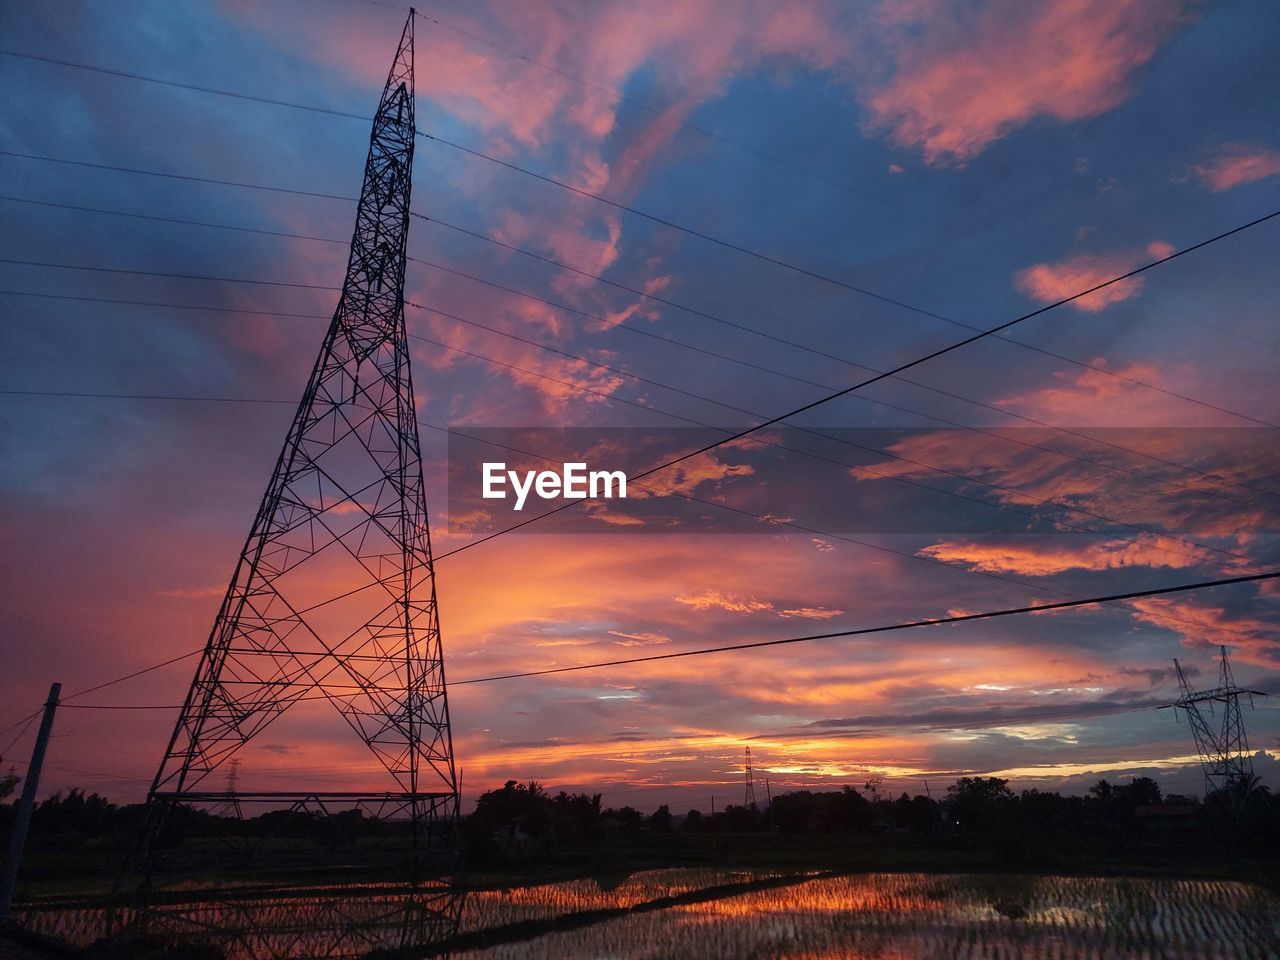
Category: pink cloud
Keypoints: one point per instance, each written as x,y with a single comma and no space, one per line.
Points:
1237,163
1051,282
1115,395
966,77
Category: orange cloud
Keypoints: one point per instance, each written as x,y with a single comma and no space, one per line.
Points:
1235,164
686,477
1051,282
733,603
714,599
1253,640
1130,475
812,613
639,639
1042,559
967,77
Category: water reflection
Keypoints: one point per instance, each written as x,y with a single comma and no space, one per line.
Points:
723,915
925,917
333,923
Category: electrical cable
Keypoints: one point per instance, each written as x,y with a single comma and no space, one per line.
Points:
727,244
694,311
613,398
884,628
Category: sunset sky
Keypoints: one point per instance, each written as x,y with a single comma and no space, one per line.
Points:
961,163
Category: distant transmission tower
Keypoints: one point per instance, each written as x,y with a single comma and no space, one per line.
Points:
749,796
333,597
1224,751
231,806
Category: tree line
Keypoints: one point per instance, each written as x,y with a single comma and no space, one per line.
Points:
522,820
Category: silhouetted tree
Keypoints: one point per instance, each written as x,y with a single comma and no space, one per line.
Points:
660,822
980,803
8,781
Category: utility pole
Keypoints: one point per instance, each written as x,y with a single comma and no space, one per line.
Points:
22,816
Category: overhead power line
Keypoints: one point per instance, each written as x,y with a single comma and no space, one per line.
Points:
621,325
694,311
875,379
652,408
807,638
102,686
979,335
655,218
885,628
1006,507
689,497
178,84
700,423
889,373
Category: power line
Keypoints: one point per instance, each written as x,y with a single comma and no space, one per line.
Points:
129,676
874,379
25,723
663,221
889,373
984,333
981,334
727,648
48,265
613,398
886,628
103,686
126,75
174,176
692,310
689,497
76,395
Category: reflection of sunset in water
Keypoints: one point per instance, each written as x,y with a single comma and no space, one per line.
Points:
921,917
865,917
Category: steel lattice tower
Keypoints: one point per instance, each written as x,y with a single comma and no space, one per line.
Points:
749,794
1224,752
333,596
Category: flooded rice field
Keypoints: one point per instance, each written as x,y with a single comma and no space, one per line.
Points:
713,914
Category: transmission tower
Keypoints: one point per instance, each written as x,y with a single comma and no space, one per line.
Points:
749,795
231,806
1223,747
333,596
